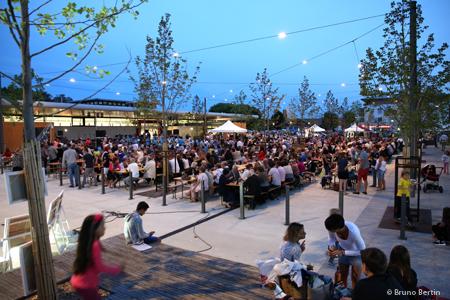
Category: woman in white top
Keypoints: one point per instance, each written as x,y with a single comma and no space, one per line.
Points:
150,169
380,166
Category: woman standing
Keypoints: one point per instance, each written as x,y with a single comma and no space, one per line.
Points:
380,168
88,262
342,171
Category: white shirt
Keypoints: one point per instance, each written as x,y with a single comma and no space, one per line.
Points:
202,177
185,163
174,166
134,169
150,169
275,176
282,173
217,175
246,174
354,242
240,144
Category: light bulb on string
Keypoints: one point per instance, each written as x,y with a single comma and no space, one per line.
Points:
304,62
282,35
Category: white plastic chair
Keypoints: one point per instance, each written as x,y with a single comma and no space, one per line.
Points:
17,232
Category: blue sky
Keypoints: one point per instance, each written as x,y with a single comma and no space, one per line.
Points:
225,71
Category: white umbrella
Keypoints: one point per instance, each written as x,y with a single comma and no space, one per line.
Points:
229,127
354,128
316,128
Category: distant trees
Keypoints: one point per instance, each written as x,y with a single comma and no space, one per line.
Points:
305,104
330,120
232,108
265,97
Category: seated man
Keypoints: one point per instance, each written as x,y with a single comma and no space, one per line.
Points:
350,241
378,285
133,168
133,228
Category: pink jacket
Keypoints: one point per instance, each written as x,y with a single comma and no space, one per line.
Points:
89,279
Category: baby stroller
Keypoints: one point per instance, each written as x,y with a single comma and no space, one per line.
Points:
430,174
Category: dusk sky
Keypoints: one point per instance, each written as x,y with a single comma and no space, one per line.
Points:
227,70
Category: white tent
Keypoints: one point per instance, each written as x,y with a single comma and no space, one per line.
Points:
229,127
354,128
316,128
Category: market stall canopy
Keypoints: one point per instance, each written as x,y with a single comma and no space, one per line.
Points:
316,128
354,128
229,127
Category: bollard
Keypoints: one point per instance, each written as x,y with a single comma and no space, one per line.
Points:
103,180
2,165
374,177
131,186
341,202
202,197
60,175
286,222
78,177
403,218
241,200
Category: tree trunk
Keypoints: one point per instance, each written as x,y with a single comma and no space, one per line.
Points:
43,263
413,109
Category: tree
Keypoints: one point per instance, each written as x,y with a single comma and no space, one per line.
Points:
13,91
231,108
358,111
348,118
330,120
264,97
331,103
197,105
72,23
306,103
278,120
162,81
415,84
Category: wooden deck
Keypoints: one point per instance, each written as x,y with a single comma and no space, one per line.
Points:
163,272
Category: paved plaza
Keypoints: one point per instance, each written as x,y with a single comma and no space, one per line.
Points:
259,235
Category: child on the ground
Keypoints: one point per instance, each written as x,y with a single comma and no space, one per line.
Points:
88,262
445,159
403,188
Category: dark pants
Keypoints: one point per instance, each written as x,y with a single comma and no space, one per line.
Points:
440,232
89,294
398,208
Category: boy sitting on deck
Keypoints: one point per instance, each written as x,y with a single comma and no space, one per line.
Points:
133,227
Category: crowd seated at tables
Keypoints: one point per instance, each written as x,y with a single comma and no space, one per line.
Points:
262,161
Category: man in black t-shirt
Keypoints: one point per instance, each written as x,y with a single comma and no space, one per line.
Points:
89,168
378,285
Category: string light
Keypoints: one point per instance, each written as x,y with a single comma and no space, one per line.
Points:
282,35
72,80
117,93
359,66
176,54
304,62
343,84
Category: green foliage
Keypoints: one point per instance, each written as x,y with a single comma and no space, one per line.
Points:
386,73
197,106
330,121
13,91
331,103
231,108
305,105
348,119
278,120
162,78
265,97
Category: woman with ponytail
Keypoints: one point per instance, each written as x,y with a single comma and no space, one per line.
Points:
88,262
